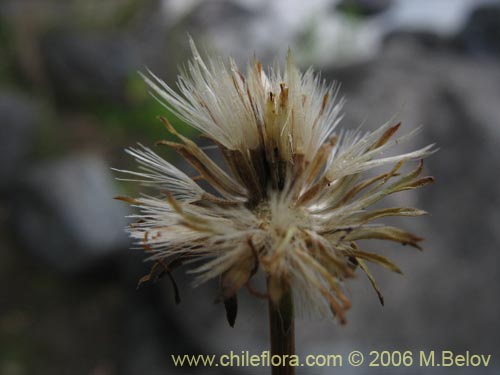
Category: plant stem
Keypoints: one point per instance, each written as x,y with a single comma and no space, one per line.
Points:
282,330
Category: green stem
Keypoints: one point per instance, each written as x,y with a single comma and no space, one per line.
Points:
282,330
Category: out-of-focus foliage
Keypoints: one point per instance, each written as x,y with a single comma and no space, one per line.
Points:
139,117
31,33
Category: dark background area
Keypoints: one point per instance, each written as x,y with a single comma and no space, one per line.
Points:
71,100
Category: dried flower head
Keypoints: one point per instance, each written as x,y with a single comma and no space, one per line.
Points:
292,201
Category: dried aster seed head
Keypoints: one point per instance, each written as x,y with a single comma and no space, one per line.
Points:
294,201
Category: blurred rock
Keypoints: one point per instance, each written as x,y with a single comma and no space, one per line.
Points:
20,118
144,350
445,298
363,7
241,22
414,40
85,66
209,13
63,212
344,37
481,33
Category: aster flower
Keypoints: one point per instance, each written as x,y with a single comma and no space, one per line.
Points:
293,198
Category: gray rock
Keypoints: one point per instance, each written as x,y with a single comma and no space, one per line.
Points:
210,13
85,66
363,7
445,300
19,124
481,34
64,213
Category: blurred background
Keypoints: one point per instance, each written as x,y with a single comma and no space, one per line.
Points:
71,100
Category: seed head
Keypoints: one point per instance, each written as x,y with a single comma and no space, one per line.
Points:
292,200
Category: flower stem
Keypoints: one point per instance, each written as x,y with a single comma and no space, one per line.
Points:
282,330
